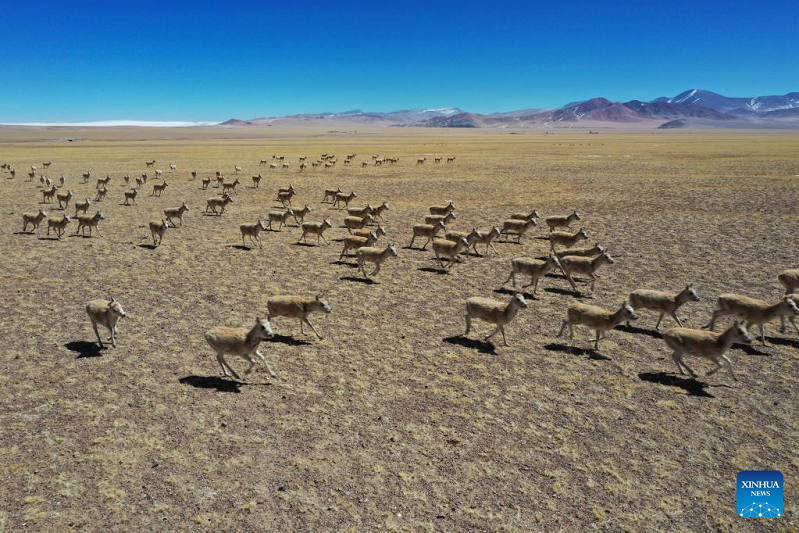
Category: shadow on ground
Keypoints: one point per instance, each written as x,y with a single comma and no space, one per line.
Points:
212,382
432,270
344,262
781,341
573,350
365,281
480,346
655,334
511,292
751,349
566,292
689,385
84,349
288,339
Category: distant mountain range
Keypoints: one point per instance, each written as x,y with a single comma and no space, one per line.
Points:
405,116
692,108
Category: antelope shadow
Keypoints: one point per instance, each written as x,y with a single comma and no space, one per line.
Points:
511,292
474,344
574,350
289,340
655,334
689,385
365,281
84,349
566,292
212,382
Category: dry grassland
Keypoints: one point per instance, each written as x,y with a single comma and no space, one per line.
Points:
393,421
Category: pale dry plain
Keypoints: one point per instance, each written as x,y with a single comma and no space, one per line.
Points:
393,421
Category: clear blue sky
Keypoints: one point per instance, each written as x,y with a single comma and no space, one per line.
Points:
200,60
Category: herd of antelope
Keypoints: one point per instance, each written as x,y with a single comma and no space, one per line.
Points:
364,225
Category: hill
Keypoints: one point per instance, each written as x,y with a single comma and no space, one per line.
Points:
692,108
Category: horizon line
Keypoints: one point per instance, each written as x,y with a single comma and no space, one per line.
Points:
351,111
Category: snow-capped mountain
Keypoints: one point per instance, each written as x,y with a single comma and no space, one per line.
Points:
737,105
692,108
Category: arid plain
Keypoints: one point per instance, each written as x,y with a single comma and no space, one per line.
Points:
394,421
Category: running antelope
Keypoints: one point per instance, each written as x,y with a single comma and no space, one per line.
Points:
375,256
253,231
34,219
448,250
106,313
159,188
442,209
596,318
359,212
705,344
790,280
752,312
517,227
131,195
352,223
157,230
345,199
241,342
331,194
354,242
426,231
377,212
564,238
535,268
230,187
498,313
218,202
284,197
90,222
485,237
555,222
48,195
299,308
58,225
663,302
445,219
315,228
586,266
82,206
299,214
593,251
525,216
64,199
177,213
279,216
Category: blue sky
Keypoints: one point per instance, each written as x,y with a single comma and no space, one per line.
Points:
201,60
